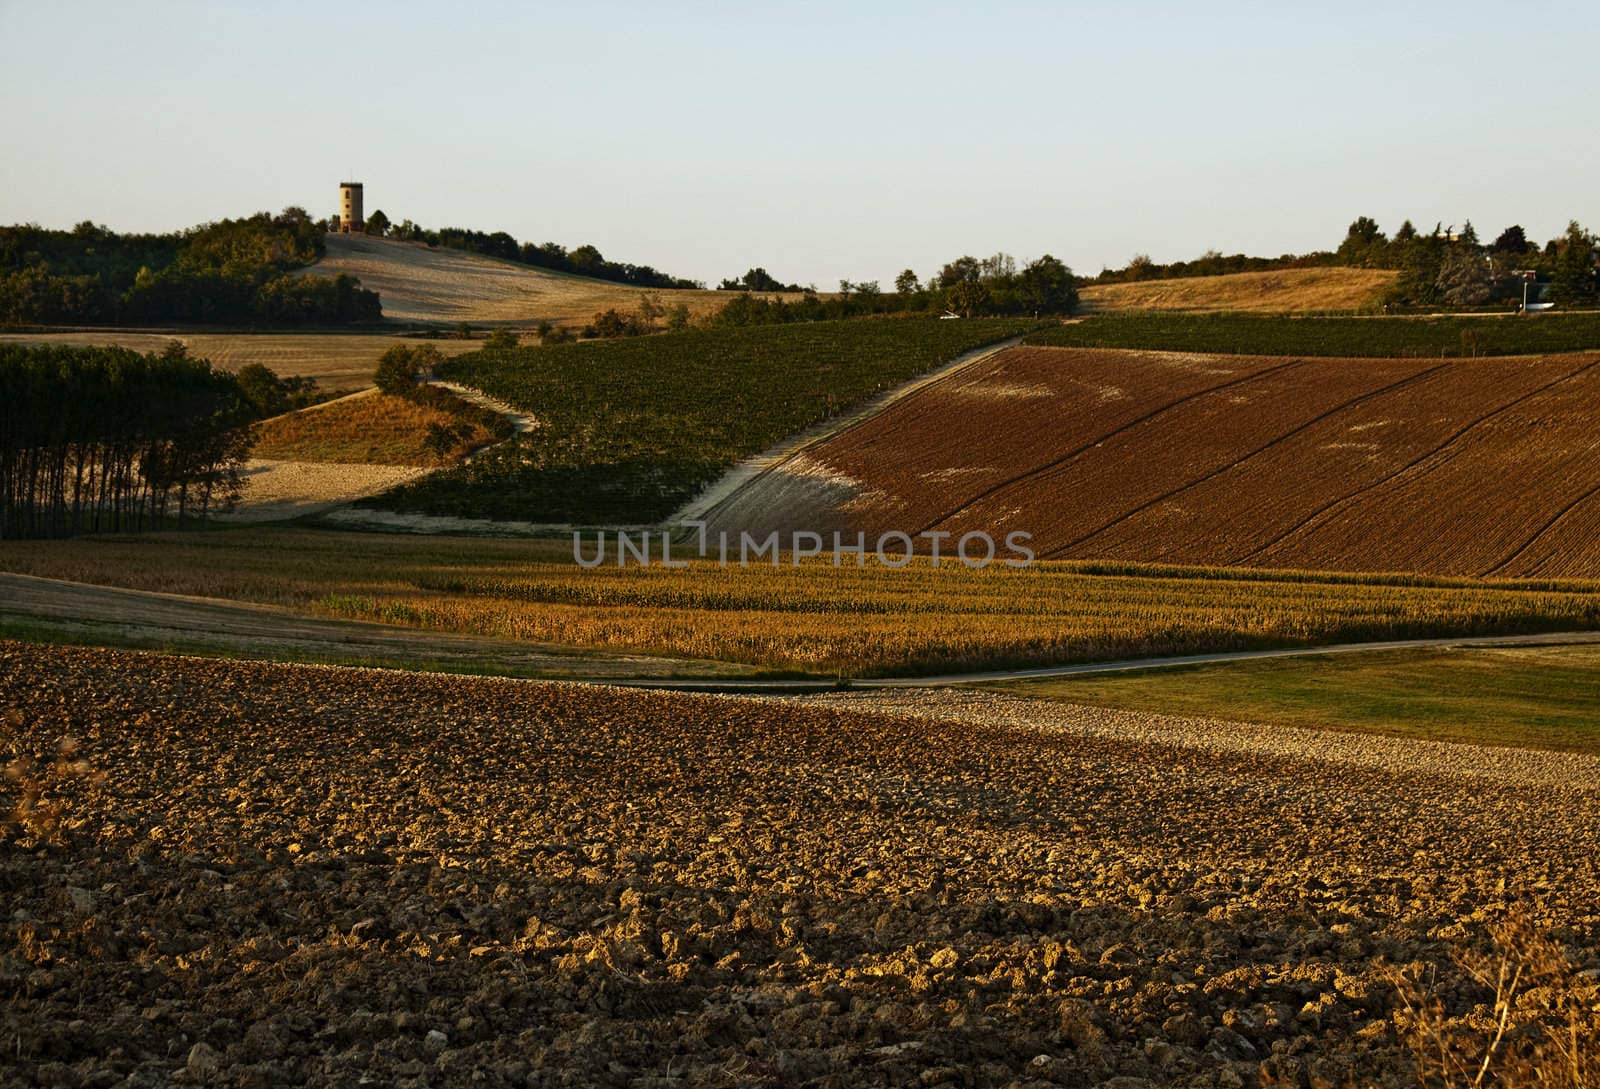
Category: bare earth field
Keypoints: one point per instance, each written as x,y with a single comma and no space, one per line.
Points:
276,490
1285,292
1486,466
338,361
416,283
263,875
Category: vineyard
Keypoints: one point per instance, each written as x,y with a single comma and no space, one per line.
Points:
631,429
1467,467
815,617
1252,334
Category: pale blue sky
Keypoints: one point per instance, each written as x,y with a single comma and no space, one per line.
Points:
822,140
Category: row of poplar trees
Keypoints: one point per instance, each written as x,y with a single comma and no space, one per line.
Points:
105,440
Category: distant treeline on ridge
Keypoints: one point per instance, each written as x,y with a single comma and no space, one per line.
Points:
583,261
236,271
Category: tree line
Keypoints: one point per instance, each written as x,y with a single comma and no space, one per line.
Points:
235,271
107,440
583,261
967,287
1441,267
1447,267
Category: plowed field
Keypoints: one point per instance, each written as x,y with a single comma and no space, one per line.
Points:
284,875
1460,467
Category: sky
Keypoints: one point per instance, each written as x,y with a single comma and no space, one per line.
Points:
818,140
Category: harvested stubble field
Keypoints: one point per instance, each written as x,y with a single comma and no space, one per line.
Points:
813,618
263,875
376,429
338,361
1284,291
416,283
1481,467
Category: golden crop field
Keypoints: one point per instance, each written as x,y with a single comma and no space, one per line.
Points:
372,429
812,618
338,361
416,283
1282,292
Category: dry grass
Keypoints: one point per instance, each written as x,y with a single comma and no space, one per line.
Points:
372,429
338,361
1285,292
814,618
444,285
1528,1015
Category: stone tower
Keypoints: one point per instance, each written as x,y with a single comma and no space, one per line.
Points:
350,219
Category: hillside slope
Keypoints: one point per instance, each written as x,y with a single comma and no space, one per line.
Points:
1283,292
420,284
1486,466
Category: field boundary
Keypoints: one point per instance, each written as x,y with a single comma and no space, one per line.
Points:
65,605
1127,665
752,469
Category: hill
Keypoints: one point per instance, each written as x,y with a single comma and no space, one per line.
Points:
630,429
338,361
422,284
1483,466
1285,291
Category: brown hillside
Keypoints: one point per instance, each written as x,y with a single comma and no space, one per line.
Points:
1469,467
1286,291
416,283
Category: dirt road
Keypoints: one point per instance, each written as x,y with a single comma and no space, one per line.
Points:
140,618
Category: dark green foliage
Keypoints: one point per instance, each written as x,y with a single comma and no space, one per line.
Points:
105,439
1573,282
398,374
1464,277
399,367
1513,240
1250,334
233,271
269,395
966,287
583,261
631,429
757,279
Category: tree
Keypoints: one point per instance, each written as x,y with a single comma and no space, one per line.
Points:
961,270
906,283
1406,233
1573,282
501,340
1468,235
1513,240
399,367
586,260
1364,243
678,318
1140,267
261,386
969,298
1464,277
1002,266
378,223
1047,287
